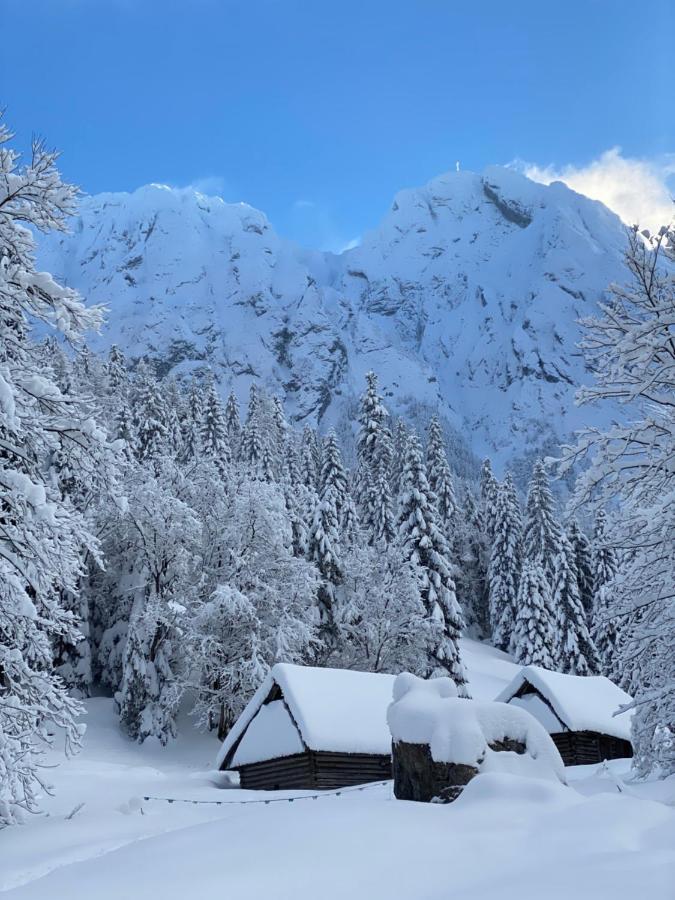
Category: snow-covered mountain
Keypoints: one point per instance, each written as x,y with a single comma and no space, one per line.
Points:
465,299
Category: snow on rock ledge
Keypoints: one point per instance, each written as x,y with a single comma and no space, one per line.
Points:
453,738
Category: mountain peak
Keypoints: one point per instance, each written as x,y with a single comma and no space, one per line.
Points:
465,299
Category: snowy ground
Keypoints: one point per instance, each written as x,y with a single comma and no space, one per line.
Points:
602,837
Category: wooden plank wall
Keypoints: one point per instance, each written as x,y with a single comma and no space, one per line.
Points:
315,771
579,748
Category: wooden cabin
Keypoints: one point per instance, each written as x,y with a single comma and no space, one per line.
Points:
578,713
312,728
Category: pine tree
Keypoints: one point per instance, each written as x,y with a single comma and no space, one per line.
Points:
324,552
233,423
584,564
575,650
440,478
213,434
488,497
150,415
541,533
333,477
605,628
43,536
535,628
310,459
472,551
423,544
505,561
192,425
374,456
252,443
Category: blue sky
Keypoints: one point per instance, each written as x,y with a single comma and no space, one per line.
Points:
318,112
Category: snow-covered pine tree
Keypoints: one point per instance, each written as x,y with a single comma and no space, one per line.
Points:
252,441
440,478
325,552
150,415
333,476
423,544
310,459
116,372
399,444
213,434
42,535
630,348
535,633
472,552
606,625
374,457
233,423
574,651
584,563
488,497
505,562
541,532
192,424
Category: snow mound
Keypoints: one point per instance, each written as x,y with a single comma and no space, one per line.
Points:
587,703
461,731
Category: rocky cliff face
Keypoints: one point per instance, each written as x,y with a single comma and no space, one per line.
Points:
465,298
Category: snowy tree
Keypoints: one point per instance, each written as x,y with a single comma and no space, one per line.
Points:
423,544
253,439
606,625
630,348
584,565
310,459
382,620
505,561
472,551
260,613
488,497
535,631
574,651
541,532
43,536
232,420
324,551
163,540
374,455
213,434
440,478
150,415
191,425
333,476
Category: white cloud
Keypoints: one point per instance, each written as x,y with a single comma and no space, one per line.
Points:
639,191
210,185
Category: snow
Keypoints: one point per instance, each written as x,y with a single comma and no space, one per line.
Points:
196,279
460,731
271,727
335,709
341,710
507,836
581,703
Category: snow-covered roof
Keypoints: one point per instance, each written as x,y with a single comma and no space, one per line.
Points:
581,703
333,709
462,731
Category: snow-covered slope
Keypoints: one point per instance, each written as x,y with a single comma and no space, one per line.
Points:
465,298
518,838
